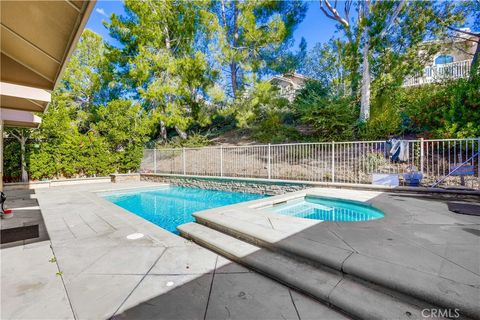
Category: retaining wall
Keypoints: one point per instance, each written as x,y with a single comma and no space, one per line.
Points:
225,184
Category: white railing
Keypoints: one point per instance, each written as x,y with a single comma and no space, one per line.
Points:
342,162
453,70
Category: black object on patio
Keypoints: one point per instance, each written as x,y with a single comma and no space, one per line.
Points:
464,208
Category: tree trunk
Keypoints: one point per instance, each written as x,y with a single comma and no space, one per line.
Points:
233,41
233,65
23,163
233,75
163,130
181,133
475,62
366,80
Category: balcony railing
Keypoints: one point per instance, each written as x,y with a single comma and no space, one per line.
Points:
453,70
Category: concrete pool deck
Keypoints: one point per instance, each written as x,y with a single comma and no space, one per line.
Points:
89,269
419,249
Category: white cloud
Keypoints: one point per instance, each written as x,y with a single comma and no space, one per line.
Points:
101,11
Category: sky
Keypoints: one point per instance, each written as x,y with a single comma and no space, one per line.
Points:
314,28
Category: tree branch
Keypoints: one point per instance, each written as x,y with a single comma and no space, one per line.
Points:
15,136
463,50
333,12
464,31
347,7
466,39
394,16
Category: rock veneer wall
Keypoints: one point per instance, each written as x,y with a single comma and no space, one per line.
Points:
226,184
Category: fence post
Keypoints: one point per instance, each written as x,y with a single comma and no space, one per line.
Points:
269,167
184,162
155,160
478,158
221,161
333,161
422,156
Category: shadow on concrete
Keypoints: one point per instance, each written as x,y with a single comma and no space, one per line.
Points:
231,292
27,225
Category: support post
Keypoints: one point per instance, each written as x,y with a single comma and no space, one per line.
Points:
221,161
1,154
155,160
333,161
184,162
269,166
422,155
478,158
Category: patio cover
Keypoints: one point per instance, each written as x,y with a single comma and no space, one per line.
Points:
36,40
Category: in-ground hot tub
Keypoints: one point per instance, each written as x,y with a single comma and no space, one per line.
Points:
327,209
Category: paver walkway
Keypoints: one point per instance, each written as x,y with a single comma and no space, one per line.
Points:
105,274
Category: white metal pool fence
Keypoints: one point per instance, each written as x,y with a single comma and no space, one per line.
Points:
342,162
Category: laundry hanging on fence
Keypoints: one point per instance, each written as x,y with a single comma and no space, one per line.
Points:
398,150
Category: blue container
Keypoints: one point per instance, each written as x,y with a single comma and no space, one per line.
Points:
413,179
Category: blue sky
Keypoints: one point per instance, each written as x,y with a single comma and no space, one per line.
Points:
314,28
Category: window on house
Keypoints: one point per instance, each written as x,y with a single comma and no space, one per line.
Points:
443,59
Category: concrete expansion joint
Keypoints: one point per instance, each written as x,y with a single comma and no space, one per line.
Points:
334,287
294,305
211,288
139,282
74,313
271,224
343,262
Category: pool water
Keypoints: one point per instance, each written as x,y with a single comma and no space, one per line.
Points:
329,209
172,206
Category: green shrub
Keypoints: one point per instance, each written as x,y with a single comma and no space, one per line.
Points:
11,162
385,118
273,130
445,110
332,118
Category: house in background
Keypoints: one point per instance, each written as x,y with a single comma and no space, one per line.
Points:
288,84
453,61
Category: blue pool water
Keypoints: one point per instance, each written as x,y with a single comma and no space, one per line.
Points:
172,206
329,209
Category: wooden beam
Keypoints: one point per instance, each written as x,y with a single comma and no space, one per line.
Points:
15,118
24,92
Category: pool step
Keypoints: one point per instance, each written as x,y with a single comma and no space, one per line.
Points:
422,286
356,298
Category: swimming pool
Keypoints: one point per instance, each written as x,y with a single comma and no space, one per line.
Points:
169,207
328,209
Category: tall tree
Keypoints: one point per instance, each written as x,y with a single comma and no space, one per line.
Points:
249,34
158,57
380,32
21,135
87,77
327,63
87,130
